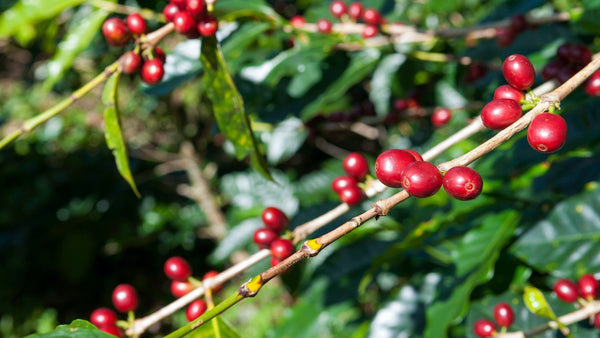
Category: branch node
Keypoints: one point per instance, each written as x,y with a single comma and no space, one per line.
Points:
311,247
381,211
251,287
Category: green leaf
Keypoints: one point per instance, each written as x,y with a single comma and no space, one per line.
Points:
234,9
85,25
77,329
361,65
474,261
112,133
381,91
216,328
228,106
285,140
565,243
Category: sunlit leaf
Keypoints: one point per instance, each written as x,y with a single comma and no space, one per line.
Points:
216,328
77,329
381,91
285,140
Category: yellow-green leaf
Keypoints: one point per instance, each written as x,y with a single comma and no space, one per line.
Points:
217,328
112,132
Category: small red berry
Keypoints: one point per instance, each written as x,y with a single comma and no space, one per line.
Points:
152,71
180,289
212,274
588,287
112,329
421,179
389,165
324,26
184,22
462,183
505,36
547,133
297,21
170,10
160,54
475,71
275,219
518,71
441,116
356,166
136,24
508,92
484,328
562,53
415,154
177,268
179,3
592,85
369,31
351,195
195,7
263,237
125,298
355,10
551,69
337,8
282,248
103,316
501,113
566,290
116,32
597,320
566,72
208,25
504,315
340,183
518,22
579,54
195,309
371,16
131,62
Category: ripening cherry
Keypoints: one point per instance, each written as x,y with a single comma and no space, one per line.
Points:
518,71
125,298
195,309
370,31
462,183
509,92
208,25
501,113
421,179
441,116
566,290
195,7
324,26
212,274
340,183
484,328
504,315
518,22
263,237
389,165
597,320
547,133
131,62
297,21
592,85
551,69
356,166
136,24
371,16
112,329
352,195
505,36
415,154
152,71
588,287
180,289
103,316
170,10
184,22
282,248
580,55
116,32
355,10
337,8
160,54
177,268
275,219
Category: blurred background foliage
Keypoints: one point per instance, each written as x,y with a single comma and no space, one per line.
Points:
71,229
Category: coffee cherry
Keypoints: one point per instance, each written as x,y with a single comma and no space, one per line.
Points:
588,287
441,116
208,25
566,72
416,155
116,32
177,268
136,24
152,71
592,85
370,31
131,62
551,69
501,113
282,248
297,21
355,10
580,55
389,165
505,36
170,10
179,3
597,320
340,183
504,315
195,7
484,328
275,219
518,23
184,22
263,237
195,309
562,52
160,54
180,289
356,166
103,316
518,71
566,290
421,179
371,16
475,71
324,26
112,329
351,195
462,183
212,274
508,92
125,298
337,8
547,133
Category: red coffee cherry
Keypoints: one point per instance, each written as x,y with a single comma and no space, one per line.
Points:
518,22
324,26
416,155
580,55
547,133
177,268
421,179
588,287
462,183
340,183
103,316
441,116
275,219
592,85
195,7
356,166
180,3
195,309
125,298
297,21
263,237
131,62
505,36
562,52
504,315
212,274
501,113
180,289
484,328
475,71
337,8
518,71
508,92
370,31
160,54
355,10
566,290
282,248
208,25
351,195
170,10
136,24
566,72
116,32
371,16
152,71
551,69
112,329
389,165
184,22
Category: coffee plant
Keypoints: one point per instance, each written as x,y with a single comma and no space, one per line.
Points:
369,168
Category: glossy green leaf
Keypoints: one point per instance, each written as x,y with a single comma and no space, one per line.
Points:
285,140
381,91
216,328
85,25
113,133
77,329
240,8
535,301
228,106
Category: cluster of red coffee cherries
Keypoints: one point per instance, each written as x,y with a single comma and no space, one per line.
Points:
582,292
275,222
356,168
569,59
191,18
125,300
504,317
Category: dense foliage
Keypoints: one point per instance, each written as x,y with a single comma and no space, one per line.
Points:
71,228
